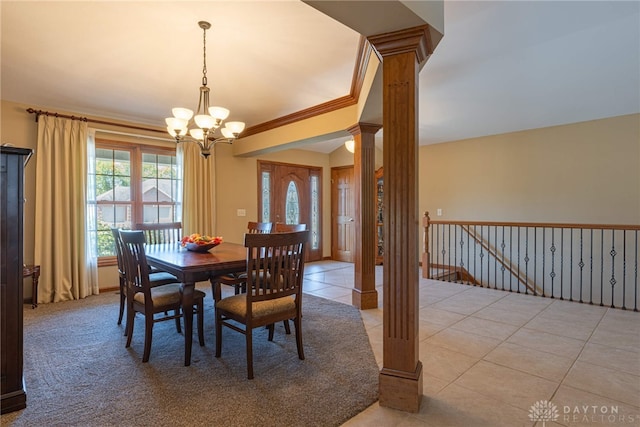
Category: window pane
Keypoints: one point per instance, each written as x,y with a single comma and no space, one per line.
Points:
266,197
292,206
150,190
150,213
110,215
164,166
123,189
315,212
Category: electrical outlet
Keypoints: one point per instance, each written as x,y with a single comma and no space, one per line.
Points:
242,212
439,212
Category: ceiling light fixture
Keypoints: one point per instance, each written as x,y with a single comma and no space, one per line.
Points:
207,119
350,145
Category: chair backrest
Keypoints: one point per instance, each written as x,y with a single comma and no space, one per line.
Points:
275,265
136,269
164,232
118,245
281,227
259,227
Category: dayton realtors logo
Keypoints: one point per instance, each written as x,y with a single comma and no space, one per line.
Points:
544,410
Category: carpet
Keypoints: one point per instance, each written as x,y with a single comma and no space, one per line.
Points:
78,371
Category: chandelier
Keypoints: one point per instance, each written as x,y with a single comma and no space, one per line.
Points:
208,120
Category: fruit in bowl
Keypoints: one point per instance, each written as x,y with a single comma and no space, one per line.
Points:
200,243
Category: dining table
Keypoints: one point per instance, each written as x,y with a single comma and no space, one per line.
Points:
191,267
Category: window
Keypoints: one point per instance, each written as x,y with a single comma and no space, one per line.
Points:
133,184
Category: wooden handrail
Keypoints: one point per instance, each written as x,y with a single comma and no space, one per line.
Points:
537,224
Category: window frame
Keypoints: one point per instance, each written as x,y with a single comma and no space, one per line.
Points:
136,203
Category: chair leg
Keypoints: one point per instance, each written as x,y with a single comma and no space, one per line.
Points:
287,329
249,337
148,335
213,291
297,324
271,328
176,313
200,311
122,299
218,333
128,330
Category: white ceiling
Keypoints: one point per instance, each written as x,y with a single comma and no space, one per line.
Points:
502,66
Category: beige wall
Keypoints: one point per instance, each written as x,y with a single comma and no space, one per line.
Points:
586,172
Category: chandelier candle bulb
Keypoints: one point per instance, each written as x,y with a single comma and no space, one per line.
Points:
208,120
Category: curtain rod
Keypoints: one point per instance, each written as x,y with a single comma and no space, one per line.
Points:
39,113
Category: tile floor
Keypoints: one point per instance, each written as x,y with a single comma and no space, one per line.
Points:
488,356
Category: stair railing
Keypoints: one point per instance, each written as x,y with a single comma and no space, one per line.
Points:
590,263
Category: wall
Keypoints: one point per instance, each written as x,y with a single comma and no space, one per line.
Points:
586,172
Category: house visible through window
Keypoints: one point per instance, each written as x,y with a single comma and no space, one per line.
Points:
133,184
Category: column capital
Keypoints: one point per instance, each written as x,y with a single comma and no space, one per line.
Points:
416,39
359,128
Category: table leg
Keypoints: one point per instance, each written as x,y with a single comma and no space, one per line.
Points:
187,310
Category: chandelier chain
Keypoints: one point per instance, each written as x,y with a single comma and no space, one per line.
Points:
204,56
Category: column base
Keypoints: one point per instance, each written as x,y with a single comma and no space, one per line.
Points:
401,390
364,300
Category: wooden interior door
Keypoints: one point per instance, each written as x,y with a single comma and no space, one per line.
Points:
291,194
342,214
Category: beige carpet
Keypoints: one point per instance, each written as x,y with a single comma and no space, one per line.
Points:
78,372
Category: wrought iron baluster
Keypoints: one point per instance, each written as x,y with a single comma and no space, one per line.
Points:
526,261
635,273
601,266
561,263
591,271
581,264
612,281
552,274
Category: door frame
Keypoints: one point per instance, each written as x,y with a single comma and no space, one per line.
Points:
314,171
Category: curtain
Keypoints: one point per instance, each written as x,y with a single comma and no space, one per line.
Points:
61,246
198,207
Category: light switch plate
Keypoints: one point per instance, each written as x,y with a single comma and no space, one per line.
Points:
439,212
242,212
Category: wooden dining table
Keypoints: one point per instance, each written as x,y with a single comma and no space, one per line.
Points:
191,267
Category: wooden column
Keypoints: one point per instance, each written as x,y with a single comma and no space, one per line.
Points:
364,294
401,53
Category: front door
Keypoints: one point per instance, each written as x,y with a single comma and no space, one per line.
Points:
342,212
291,194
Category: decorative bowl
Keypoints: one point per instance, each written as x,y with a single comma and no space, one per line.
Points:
194,247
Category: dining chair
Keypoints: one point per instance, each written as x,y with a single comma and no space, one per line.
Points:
155,279
275,269
149,301
281,227
163,232
239,280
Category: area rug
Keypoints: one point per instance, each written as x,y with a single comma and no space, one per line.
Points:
79,373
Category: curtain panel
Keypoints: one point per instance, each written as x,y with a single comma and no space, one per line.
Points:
198,207
68,271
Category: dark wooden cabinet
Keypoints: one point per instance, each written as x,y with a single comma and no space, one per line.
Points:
379,216
13,395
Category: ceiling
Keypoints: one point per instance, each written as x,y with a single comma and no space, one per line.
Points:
502,66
